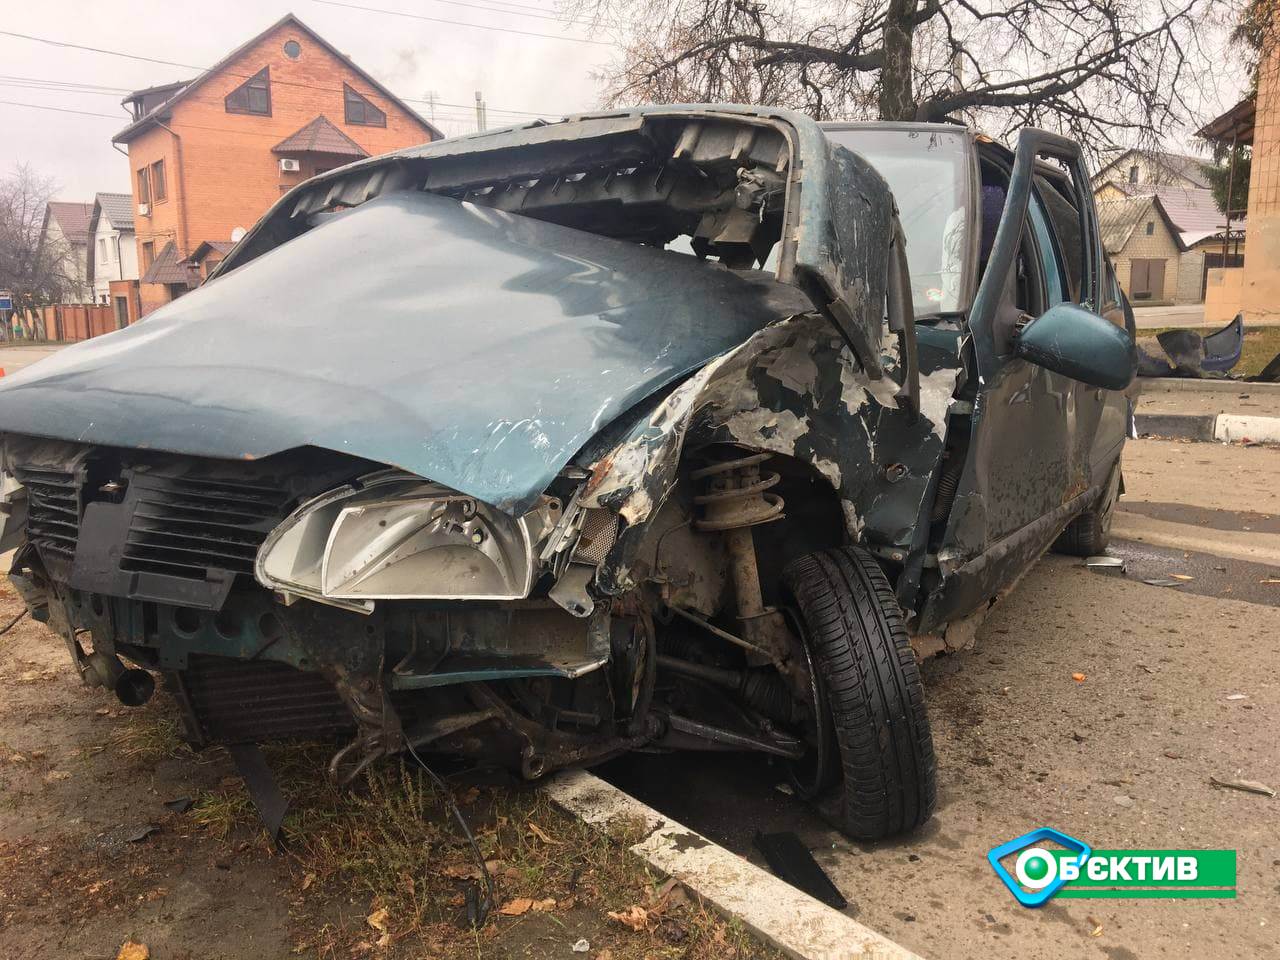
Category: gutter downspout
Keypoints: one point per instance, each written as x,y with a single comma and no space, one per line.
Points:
182,193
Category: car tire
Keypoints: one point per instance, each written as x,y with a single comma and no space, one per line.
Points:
1089,533
874,695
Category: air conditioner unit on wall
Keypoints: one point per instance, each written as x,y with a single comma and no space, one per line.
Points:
144,209
289,165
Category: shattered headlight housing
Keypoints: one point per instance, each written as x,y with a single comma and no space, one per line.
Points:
390,536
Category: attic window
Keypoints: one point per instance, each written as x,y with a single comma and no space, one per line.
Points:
1133,174
292,49
1151,227
253,96
360,111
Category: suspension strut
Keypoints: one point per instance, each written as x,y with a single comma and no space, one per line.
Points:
736,497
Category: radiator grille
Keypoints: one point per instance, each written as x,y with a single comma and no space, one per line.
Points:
185,526
238,701
53,509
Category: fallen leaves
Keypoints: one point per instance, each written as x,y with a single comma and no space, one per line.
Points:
640,918
133,951
542,835
635,916
522,905
379,919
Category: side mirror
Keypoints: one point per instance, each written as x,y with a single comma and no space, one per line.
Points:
1076,343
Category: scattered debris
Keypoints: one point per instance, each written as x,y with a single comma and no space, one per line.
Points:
1097,927
1237,696
1123,800
1160,582
1147,668
791,860
179,804
133,951
1079,677
141,832
582,946
1114,566
53,776
1184,577
1247,786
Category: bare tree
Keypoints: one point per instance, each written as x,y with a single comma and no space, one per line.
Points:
1098,69
36,269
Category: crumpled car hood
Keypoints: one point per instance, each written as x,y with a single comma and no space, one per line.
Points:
475,348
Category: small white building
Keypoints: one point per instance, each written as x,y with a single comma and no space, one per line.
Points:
112,254
64,236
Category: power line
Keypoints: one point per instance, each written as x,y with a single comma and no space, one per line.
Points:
246,76
458,23
83,113
540,13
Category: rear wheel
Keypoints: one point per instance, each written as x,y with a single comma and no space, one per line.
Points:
873,695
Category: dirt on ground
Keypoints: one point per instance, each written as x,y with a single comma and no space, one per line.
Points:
112,831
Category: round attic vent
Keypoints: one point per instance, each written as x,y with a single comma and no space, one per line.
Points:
292,49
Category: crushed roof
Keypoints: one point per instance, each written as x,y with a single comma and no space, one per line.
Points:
73,218
320,136
169,267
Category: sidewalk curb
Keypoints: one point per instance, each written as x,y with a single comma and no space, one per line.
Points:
772,909
1150,385
1224,427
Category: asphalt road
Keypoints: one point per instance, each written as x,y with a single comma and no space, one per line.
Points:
1120,759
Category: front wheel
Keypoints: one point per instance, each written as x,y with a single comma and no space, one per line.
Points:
873,693
1089,534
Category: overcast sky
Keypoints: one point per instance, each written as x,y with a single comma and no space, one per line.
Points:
517,72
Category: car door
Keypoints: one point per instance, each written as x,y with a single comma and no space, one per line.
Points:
1040,444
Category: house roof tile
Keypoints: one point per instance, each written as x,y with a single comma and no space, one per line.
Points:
73,218
169,267
117,208
320,136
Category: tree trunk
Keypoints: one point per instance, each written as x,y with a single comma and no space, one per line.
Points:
897,100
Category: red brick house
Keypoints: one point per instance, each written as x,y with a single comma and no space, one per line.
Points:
209,156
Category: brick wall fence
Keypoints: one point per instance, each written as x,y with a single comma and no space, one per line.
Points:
66,322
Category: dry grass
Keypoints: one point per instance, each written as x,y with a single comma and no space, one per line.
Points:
390,845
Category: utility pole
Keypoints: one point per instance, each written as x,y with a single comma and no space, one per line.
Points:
431,96
480,112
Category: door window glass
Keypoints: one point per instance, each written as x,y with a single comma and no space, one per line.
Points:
1055,286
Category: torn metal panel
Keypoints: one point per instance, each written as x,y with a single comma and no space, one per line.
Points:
397,361
795,390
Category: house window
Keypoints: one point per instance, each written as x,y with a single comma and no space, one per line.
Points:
158,190
292,49
148,255
360,111
103,250
1133,174
253,96
1151,227
144,185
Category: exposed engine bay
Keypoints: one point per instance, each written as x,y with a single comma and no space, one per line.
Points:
353,630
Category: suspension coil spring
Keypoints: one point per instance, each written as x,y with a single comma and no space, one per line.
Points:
735,493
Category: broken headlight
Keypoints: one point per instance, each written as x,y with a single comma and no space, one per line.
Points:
393,536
